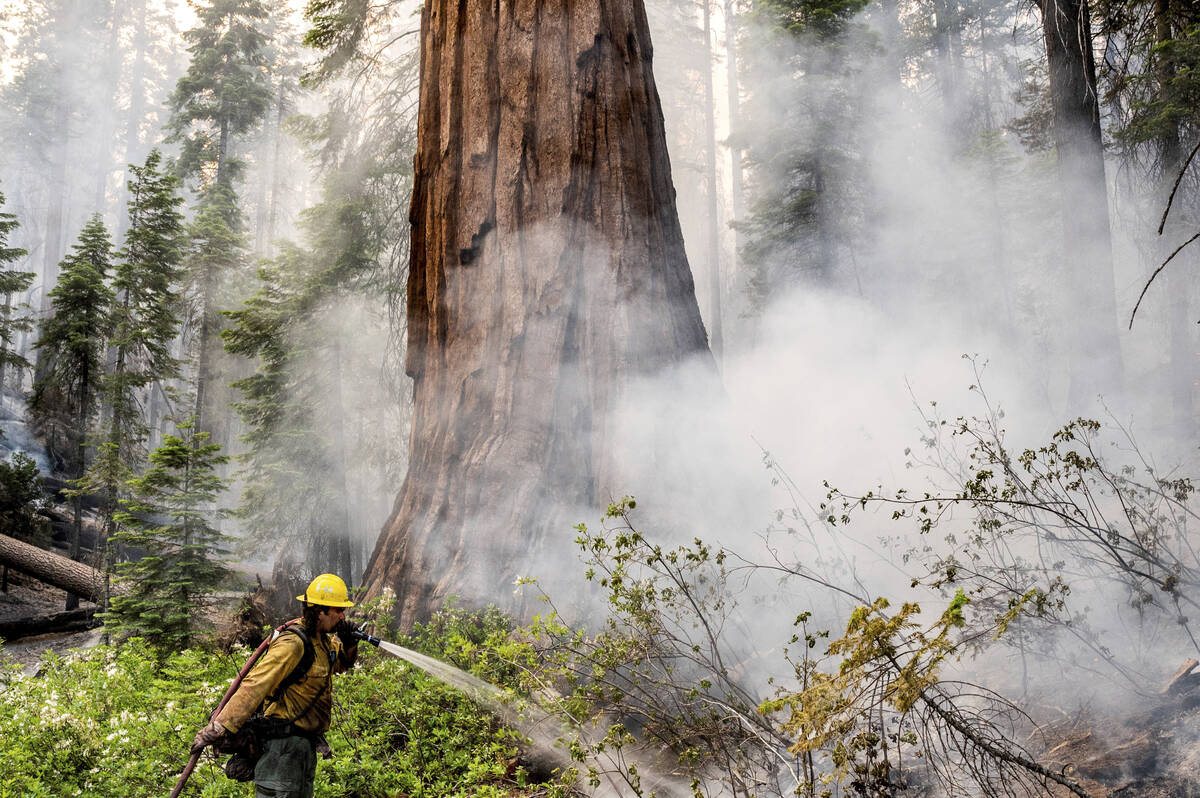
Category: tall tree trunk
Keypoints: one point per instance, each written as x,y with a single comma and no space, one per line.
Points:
68,22
137,105
1001,280
344,534
893,45
715,327
1182,372
4,348
278,177
204,367
58,192
104,122
547,271
222,151
1087,245
81,419
733,90
948,45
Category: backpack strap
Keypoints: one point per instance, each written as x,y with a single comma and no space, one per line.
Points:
299,672
302,667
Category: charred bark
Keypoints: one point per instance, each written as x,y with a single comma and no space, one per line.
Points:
54,623
1087,239
548,270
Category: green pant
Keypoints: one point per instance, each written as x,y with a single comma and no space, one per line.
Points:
286,769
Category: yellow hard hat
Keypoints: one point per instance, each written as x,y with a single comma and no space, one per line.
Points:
327,590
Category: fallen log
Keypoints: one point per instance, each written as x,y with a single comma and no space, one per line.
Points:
53,569
1184,679
68,621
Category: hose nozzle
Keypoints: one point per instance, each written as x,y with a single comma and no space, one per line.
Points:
358,634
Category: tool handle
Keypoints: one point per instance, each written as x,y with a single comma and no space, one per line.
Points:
233,686
183,777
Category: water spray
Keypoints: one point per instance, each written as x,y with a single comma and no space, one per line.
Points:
539,726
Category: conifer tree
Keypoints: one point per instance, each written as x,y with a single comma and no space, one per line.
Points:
12,318
216,251
294,480
71,349
225,92
168,519
145,320
20,497
805,158
224,95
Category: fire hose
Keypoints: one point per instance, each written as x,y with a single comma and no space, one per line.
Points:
234,685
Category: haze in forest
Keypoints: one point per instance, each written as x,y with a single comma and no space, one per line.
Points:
939,236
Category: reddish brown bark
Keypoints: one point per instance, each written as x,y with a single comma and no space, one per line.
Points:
547,270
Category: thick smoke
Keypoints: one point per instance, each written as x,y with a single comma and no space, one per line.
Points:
959,255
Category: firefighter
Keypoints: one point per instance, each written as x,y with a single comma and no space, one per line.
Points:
283,705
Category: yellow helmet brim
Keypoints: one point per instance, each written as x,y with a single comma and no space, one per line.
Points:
324,602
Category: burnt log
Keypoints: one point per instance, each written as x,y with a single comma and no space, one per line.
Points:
53,569
68,621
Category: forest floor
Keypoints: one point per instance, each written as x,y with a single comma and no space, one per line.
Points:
29,598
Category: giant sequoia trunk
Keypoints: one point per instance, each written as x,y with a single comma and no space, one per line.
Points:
1095,352
547,271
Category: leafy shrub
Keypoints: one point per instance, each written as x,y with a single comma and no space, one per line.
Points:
117,723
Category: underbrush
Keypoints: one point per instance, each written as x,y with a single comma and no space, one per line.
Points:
116,722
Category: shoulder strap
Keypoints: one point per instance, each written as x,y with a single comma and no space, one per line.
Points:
301,670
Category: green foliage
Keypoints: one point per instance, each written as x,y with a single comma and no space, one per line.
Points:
13,318
477,641
801,136
224,93
145,321
1156,87
294,475
146,314
1038,514
71,345
884,663
106,722
658,665
20,497
825,18
168,520
215,259
661,667
302,326
117,723
338,28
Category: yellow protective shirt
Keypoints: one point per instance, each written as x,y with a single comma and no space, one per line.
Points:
281,657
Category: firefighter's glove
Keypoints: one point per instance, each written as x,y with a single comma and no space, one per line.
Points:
207,736
345,631
323,749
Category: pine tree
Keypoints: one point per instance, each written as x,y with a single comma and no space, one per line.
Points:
168,520
71,349
225,92
807,165
12,317
216,252
223,96
294,476
20,497
145,320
